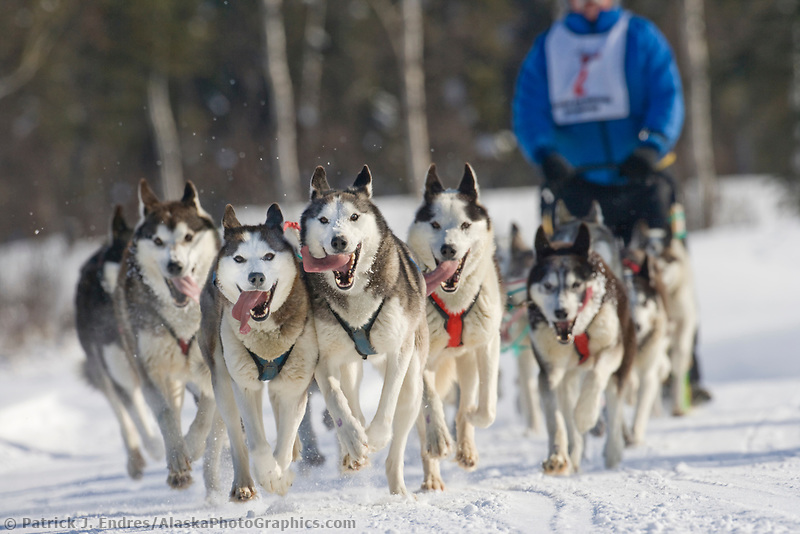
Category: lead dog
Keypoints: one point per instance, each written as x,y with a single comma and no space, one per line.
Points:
257,277
106,366
582,334
157,306
368,300
452,238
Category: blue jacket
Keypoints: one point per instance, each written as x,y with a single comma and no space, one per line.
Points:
655,93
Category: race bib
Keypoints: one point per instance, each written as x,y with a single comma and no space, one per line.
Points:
586,74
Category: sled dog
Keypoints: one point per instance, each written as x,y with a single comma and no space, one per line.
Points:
515,266
672,259
257,328
106,367
368,300
603,240
582,334
157,306
651,366
452,239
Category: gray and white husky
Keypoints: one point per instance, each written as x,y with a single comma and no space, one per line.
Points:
368,300
582,334
452,239
257,327
651,367
156,303
107,367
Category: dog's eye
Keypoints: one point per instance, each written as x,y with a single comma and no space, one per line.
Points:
323,220
576,285
239,259
158,242
435,225
547,286
268,256
189,238
354,217
465,225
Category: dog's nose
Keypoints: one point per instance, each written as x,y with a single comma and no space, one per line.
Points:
448,252
339,243
560,314
256,279
174,268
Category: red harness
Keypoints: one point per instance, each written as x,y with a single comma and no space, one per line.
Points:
453,322
581,341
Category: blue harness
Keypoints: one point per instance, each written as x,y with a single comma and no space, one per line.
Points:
360,336
269,369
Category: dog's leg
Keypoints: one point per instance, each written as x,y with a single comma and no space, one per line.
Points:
351,381
310,453
408,407
648,389
468,383
289,406
558,462
130,436
436,442
614,440
243,488
529,389
379,431
487,365
681,356
141,418
211,457
567,395
201,426
349,430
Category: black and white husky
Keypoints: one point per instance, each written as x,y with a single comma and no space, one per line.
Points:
257,328
107,367
452,239
582,334
368,300
157,305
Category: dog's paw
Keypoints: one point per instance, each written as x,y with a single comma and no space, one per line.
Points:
281,481
350,464
586,416
438,441
432,483
557,465
480,418
179,479
136,464
243,493
378,436
467,456
354,441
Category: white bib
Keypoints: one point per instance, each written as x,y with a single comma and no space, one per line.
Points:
586,74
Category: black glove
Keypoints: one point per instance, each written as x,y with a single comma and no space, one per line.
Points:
556,169
640,164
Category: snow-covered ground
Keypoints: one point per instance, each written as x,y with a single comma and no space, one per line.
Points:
730,466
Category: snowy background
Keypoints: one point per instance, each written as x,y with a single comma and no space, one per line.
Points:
730,466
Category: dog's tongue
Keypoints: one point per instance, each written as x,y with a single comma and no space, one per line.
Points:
188,287
247,301
442,272
331,262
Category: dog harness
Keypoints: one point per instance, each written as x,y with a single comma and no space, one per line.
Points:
453,322
269,369
581,341
360,336
182,343
511,317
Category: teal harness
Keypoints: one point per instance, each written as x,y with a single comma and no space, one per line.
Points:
360,336
510,318
269,369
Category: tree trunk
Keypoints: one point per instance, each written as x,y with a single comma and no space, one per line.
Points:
795,163
418,152
699,116
165,131
315,38
276,68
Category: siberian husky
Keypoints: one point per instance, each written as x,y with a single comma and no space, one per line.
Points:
156,303
106,366
676,273
257,276
452,239
515,266
368,300
582,334
651,367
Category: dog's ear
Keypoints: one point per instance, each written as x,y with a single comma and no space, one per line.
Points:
517,243
639,235
118,225
275,217
562,214
319,182
541,244
646,268
583,241
147,199
363,183
469,183
595,213
229,220
433,186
